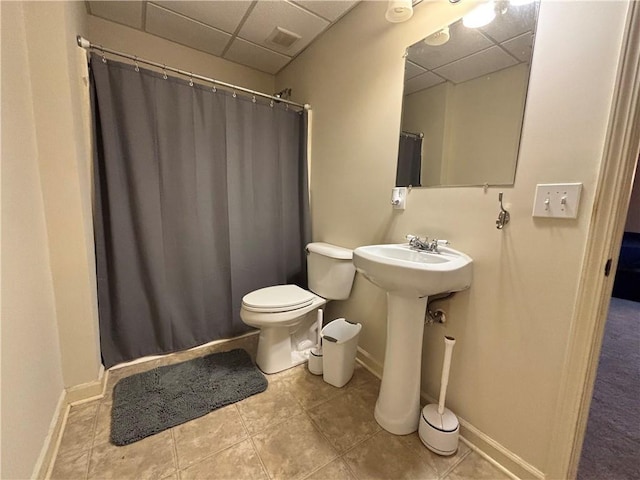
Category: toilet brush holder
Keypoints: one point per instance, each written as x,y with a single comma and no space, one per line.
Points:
315,361
315,354
439,428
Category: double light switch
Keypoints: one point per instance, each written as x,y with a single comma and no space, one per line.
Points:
557,200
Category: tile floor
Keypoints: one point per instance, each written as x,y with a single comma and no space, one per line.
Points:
299,428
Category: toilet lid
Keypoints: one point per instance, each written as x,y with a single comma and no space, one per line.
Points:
281,298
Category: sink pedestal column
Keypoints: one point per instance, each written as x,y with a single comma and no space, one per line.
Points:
398,406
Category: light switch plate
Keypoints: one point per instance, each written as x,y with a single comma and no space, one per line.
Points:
557,200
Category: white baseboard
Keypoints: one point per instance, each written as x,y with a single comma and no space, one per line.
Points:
367,361
69,396
87,391
494,452
49,447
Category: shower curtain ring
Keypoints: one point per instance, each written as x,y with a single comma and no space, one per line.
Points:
135,61
104,59
214,89
191,79
271,103
234,94
253,99
164,72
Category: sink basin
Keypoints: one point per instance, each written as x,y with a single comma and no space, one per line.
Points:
409,277
399,268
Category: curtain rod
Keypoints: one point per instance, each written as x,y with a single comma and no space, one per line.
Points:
411,134
86,44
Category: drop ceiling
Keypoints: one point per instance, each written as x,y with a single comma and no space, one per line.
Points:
473,52
263,34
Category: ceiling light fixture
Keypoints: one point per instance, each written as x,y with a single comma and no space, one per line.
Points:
438,38
480,16
399,11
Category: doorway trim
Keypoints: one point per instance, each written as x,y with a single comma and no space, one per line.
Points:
613,192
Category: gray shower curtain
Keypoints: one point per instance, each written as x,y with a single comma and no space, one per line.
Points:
199,198
409,166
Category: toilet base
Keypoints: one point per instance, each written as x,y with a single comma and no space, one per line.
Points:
275,351
283,348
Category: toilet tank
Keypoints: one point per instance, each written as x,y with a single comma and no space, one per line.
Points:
330,270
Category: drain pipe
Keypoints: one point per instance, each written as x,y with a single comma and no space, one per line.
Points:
438,315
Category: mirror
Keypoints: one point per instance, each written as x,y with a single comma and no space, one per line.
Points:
464,98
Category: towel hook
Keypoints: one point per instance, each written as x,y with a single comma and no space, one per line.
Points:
503,215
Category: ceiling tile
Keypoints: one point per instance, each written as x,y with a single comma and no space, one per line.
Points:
180,29
329,9
266,16
516,21
421,82
464,41
412,70
127,13
224,15
520,47
476,65
255,56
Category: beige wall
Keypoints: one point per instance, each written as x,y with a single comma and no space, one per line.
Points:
633,217
63,155
31,367
132,41
512,325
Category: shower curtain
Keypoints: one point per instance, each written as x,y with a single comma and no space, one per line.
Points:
409,161
200,197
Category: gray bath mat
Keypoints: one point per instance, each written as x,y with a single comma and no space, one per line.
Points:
153,401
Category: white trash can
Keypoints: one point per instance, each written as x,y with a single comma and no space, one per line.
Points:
339,345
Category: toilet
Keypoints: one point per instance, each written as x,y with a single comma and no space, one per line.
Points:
286,314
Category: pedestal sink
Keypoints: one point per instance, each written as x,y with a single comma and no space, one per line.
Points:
408,276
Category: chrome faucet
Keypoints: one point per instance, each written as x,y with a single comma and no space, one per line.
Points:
425,245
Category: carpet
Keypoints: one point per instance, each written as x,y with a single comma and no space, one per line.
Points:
611,449
153,401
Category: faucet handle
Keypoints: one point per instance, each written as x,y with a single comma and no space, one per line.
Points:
410,236
416,239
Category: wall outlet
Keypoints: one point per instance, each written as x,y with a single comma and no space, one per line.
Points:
557,200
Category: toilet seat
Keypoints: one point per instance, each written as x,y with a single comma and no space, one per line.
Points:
280,298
